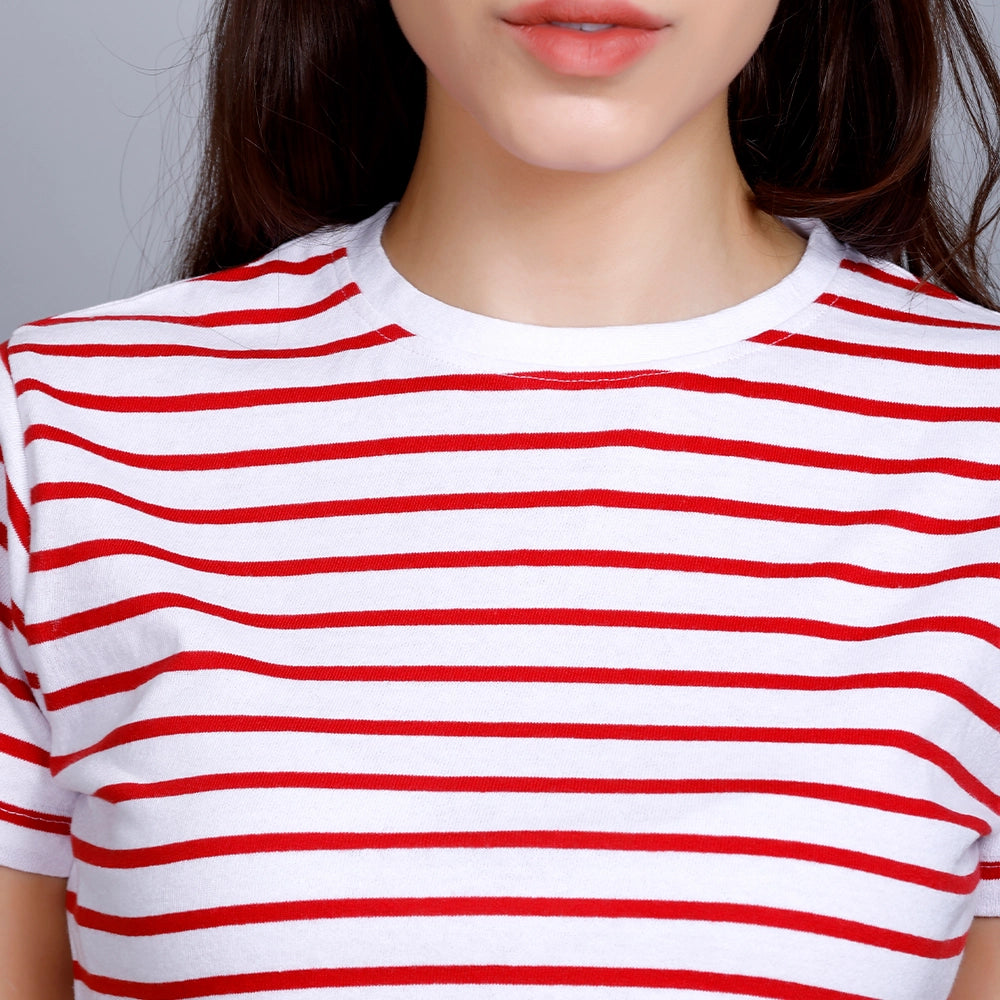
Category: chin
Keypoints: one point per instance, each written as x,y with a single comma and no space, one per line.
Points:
580,159
556,145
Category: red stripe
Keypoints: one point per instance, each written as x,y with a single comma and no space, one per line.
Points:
31,820
518,906
17,622
157,728
18,515
376,338
103,615
49,559
269,843
525,839
715,506
579,840
475,785
22,750
146,729
238,317
682,381
913,284
250,271
990,870
167,854
948,359
18,688
453,443
899,315
196,660
414,975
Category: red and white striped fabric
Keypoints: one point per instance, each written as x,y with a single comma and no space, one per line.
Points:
362,647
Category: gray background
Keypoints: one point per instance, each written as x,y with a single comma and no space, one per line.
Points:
95,158
100,97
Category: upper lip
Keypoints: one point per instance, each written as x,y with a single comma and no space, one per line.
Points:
619,12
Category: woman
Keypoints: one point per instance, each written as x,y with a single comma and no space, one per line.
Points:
545,548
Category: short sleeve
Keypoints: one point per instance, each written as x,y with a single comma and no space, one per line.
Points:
34,809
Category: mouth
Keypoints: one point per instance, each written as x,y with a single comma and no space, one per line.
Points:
582,26
584,15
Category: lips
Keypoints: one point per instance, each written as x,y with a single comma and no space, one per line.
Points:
617,12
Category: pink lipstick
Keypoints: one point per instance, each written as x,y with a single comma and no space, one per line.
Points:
596,38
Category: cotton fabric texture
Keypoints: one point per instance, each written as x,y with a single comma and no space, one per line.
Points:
359,646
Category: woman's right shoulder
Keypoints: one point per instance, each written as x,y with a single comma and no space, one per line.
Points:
236,307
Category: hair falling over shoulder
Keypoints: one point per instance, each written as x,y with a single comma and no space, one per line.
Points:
314,112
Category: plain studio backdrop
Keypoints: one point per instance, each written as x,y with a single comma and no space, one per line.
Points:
96,156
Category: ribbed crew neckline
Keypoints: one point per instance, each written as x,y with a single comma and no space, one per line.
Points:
444,330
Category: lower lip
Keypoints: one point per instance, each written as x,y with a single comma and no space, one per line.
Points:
585,53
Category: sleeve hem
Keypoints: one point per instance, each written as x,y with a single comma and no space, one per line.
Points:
987,898
53,856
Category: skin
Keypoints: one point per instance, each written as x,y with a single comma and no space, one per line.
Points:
35,961
582,201
979,973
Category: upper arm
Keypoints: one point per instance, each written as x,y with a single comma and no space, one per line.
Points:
35,962
979,973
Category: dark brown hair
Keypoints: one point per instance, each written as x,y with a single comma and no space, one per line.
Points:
315,109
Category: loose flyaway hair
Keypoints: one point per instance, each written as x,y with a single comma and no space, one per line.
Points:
314,111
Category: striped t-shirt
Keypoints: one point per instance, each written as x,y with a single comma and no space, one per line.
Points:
362,647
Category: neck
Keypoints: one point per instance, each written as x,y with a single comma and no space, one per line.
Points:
671,237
